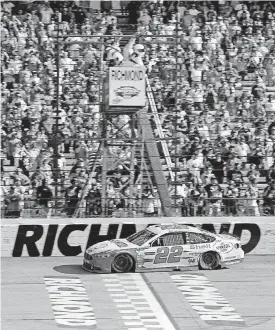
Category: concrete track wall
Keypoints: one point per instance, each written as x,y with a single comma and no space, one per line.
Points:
70,237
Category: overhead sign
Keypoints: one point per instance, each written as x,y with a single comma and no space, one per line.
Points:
127,86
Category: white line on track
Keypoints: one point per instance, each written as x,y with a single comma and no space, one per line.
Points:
135,301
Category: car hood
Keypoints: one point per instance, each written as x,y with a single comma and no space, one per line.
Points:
113,245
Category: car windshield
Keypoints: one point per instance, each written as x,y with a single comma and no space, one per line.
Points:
141,237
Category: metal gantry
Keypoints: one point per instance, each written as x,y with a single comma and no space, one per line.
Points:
135,163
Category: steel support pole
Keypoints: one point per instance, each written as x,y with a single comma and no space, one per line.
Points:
132,167
176,121
56,133
104,178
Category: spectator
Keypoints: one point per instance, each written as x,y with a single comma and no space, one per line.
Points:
218,168
269,199
230,202
197,200
187,19
253,174
93,198
13,205
252,207
44,195
149,203
236,175
46,13
207,176
242,150
215,198
20,176
72,197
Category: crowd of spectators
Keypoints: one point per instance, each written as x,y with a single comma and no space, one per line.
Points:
215,94
223,119
31,142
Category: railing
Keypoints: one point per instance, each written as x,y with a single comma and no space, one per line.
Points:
148,207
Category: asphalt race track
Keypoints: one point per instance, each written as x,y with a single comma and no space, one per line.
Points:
237,298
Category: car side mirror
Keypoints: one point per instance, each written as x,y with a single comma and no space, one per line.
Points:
146,246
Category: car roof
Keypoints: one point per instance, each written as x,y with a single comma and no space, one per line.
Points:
172,227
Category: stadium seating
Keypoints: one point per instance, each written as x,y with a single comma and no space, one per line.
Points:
226,103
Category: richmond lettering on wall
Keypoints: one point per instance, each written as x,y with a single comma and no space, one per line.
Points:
57,237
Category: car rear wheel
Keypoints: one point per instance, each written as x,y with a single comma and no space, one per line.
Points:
123,263
209,261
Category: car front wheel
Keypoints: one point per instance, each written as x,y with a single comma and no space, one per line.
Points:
123,263
209,261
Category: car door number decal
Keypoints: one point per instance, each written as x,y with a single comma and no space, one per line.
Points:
168,255
161,256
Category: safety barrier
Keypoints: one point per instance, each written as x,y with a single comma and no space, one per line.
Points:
44,237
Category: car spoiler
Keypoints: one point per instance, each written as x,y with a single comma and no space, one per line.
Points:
230,235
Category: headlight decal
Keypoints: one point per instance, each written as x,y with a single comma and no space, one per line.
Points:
106,254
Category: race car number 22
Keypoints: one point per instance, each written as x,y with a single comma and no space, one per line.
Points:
168,255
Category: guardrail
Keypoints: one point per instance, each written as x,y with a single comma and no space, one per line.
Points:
145,207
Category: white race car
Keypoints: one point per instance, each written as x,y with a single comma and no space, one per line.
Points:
167,246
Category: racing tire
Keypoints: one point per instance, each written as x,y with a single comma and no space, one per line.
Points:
209,261
122,263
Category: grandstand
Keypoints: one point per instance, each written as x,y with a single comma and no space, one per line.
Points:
206,143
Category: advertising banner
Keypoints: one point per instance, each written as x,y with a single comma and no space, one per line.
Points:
45,240
127,86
